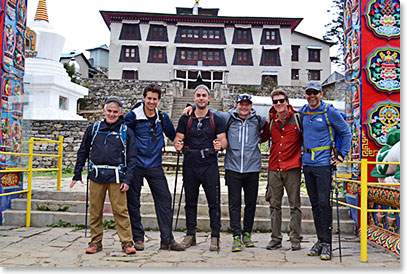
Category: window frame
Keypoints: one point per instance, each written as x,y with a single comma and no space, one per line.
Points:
153,50
314,55
314,75
242,57
127,72
125,32
272,61
127,50
160,36
268,33
295,74
242,36
295,49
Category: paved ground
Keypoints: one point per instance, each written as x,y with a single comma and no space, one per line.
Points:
64,247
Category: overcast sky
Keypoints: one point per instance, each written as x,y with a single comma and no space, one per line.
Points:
80,22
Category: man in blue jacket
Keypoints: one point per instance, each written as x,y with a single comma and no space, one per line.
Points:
320,154
149,125
111,153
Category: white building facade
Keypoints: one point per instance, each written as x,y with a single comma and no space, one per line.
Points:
209,49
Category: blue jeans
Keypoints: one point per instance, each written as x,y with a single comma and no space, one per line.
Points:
318,182
162,203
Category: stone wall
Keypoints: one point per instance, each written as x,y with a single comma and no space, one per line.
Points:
72,131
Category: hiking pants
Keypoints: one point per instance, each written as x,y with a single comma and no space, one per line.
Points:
291,181
97,194
249,182
208,176
162,202
318,181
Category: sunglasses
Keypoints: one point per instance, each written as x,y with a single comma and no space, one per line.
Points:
199,128
275,102
309,92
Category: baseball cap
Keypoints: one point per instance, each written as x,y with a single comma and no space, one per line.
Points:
243,97
314,85
114,99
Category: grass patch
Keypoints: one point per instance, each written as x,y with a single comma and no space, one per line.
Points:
43,208
61,224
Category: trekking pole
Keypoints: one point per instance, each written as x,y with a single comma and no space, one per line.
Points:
87,201
179,205
175,189
337,215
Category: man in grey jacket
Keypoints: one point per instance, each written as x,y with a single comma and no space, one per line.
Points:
242,165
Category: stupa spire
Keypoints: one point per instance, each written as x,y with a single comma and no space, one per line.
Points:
41,14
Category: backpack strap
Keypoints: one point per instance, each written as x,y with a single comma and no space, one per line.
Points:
211,118
95,131
212,121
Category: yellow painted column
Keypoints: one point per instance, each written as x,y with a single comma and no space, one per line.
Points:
363,211
60,151
29,181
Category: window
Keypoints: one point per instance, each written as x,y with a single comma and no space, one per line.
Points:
63,103
242,36
295,74
295,53
271,37
200,35
188,56
130,32
157,33
129,54
157,55
314,75
242,57
270,58
314,55
130,75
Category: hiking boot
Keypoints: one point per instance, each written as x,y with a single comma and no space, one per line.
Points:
315,249
173,246
139,245
247,240
215,244
93,248
188,241
273,244
237,244
295,246
129,249
326,252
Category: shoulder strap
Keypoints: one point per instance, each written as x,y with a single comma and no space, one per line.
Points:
230,121
259,127
298,121
161,117
95,130
212,121
329,123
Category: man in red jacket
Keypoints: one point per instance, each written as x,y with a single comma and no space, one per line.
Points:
284,130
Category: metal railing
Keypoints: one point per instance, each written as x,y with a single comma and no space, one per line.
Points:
363,208
30,169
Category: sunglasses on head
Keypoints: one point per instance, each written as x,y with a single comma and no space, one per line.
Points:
153,133
309,92
275,102
244,97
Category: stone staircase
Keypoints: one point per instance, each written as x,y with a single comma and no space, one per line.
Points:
50,207
181,102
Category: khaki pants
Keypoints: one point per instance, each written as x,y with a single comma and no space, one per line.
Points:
291,181
118,201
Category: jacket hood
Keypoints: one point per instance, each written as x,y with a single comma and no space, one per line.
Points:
138,110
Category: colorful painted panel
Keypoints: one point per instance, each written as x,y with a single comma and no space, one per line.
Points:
352,40
381,119
384,238
383,18
30,43
13,37
383,69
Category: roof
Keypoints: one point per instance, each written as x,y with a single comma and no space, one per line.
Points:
312,37
118,16
334,77
75,54
104,47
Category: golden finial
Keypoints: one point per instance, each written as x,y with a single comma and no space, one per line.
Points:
41,13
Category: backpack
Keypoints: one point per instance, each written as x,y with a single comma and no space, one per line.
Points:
230,121
337,142
122,134
211,118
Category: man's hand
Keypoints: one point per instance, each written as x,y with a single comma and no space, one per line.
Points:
217,145
74,182
336,159
188,111
179,144
124,187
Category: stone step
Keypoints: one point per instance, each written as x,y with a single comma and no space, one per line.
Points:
147,208
46,218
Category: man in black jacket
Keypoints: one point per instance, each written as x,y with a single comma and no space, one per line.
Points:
111,152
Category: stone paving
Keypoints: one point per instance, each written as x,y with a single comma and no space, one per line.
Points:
65,247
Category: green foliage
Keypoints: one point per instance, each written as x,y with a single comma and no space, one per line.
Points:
43,208
247,90
109,224
335,32
63,209
269,84
61,224
70,69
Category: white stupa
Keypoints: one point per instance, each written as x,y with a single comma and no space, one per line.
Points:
49,92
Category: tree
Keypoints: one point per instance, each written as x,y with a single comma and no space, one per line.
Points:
335,33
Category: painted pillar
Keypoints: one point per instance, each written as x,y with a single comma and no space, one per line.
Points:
372,74
13,15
